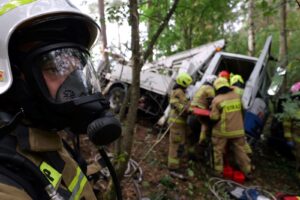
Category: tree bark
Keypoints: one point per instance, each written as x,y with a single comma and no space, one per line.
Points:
150,30
103,36
283,51
283,34
251,30
127,140
138,61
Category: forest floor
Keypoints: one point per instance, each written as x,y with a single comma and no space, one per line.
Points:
273,173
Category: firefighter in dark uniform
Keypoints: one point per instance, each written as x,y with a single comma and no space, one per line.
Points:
179,131
44,89
229,127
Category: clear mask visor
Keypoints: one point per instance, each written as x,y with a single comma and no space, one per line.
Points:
68,74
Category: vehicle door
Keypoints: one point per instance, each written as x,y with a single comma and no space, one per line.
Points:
257,80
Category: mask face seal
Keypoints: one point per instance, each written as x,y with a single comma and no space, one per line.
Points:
62,75
68,91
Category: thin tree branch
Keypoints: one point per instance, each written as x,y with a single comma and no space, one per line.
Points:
161,27
298,3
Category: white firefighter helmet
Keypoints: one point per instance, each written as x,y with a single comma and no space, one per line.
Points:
19,17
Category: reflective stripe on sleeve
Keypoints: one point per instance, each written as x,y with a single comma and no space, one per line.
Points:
77,184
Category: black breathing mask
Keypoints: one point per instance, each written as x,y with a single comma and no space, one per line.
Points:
67,93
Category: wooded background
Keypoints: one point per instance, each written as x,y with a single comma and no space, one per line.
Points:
164,27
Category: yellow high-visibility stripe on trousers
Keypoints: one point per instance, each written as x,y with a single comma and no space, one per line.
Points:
12,4
77,184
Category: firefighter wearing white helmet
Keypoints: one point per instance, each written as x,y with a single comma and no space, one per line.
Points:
44,61
179,131
202,99
229,127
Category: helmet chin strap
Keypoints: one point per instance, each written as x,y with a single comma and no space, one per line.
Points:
9,122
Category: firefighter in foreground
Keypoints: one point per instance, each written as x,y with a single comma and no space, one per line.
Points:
179,131
202,99
229,127
43,59
291,126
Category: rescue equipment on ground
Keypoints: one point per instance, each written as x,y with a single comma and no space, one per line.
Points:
222,188
232,174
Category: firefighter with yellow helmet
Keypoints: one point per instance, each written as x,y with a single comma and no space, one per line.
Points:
44,89
179,130
237,83
202,99
229,128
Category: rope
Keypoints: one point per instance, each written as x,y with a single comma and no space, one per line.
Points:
217,184
160,139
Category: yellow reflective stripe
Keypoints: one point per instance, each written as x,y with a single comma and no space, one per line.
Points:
75,179
12,4
82,184
218,168
198,104
173,161
231,106
178,121
247,148
77,184
52,175
228,133
79,187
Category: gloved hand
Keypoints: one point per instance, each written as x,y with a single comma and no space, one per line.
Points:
202,138
290,143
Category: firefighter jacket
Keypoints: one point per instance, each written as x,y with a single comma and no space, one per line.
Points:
238,90
178,102
203,97
227,110
292,127
46,151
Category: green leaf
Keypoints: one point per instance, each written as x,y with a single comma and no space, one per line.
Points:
190,172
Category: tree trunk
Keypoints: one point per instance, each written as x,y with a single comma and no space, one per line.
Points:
150,31
251,30
138,61
127,140
103,37
283,51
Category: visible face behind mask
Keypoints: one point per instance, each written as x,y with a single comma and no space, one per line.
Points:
68,85
64,73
